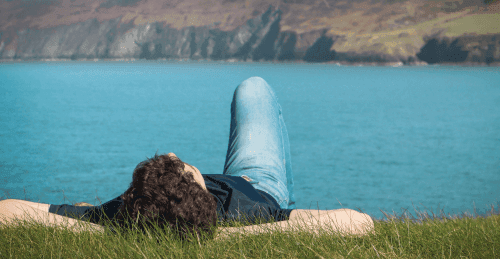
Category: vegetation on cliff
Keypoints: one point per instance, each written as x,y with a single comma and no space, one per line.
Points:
310,30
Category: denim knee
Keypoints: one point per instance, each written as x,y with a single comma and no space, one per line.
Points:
254,87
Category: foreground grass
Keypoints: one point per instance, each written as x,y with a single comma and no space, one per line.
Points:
426,237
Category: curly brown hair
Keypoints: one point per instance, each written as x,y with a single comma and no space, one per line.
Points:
162,193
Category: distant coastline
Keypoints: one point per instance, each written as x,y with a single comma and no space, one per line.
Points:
386,33
333,63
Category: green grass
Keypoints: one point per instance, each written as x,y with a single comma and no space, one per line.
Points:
478,24
404,236
408,40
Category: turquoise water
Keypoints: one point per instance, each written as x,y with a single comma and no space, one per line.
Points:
374,138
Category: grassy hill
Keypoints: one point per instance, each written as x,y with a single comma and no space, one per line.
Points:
387,28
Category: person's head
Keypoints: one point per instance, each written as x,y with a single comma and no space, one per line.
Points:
170,193
194,171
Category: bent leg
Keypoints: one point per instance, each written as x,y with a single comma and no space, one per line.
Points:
258,145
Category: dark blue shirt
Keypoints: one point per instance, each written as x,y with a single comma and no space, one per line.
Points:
236,200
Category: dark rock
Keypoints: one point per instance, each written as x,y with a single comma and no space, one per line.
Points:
264,48
285,46
320,51
217,46
367,57
306,40
467,48
198,40
255,40
442,50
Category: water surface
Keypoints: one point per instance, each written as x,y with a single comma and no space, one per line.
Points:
361,137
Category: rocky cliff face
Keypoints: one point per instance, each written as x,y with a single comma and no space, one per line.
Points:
258,39
112,39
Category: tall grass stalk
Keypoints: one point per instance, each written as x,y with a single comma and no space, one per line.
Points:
403,236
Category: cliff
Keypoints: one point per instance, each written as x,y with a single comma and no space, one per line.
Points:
406,32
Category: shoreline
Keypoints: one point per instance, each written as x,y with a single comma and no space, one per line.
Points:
333,63
424,215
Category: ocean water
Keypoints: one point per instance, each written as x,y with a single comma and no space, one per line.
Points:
369,138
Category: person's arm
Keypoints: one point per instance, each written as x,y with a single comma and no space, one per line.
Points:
343,221
12,210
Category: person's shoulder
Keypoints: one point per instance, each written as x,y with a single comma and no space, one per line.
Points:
223,182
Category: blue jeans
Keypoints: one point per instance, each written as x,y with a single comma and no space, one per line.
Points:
259,148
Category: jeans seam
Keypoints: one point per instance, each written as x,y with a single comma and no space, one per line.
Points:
280,118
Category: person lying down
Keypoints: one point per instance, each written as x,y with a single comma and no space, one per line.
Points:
176,195
256,186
